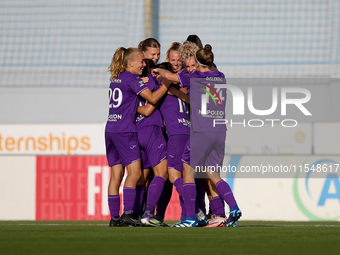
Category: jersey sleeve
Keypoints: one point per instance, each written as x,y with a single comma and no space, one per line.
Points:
137,85
184,79
152,83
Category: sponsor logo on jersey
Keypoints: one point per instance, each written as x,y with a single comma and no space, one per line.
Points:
115,117
117,81
214,78
139,117
184,122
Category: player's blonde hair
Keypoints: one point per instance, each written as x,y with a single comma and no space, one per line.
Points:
120,60
187,50
174,46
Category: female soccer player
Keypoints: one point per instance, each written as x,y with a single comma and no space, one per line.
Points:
120,132
216,203
176,118
206,144
153,149
175,113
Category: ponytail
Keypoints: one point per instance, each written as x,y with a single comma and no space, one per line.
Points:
120,60
117,63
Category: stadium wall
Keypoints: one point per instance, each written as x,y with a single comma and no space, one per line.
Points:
75,188
59,172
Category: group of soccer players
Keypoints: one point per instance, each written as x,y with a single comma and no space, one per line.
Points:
151,132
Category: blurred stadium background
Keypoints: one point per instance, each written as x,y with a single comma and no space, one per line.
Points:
53,96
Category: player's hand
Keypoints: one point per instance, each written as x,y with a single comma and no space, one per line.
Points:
145,79
155,72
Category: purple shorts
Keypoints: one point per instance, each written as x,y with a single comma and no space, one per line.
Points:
152,145
186,152
205,149
121,148
175,149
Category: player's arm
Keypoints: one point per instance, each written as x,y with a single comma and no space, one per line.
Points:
178,93
166,74
147,109
153,97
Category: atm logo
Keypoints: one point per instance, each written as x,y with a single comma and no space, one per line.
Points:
318,198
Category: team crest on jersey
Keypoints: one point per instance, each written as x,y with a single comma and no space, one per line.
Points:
141,83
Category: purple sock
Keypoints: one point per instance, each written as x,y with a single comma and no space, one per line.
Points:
181,202
189,197
114,205
129,197
200,195
217,206
164,199
226,193
179,187
154,192
137,208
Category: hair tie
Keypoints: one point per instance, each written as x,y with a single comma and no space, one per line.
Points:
200,62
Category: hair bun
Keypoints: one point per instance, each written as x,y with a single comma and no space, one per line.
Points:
207,47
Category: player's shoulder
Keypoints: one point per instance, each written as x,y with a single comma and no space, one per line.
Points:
132,79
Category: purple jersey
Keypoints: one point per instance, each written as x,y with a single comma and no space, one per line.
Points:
207,103
123,102
155,119
175,114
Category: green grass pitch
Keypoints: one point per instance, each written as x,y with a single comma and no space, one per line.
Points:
95,237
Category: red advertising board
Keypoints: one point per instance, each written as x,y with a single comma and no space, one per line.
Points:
75,188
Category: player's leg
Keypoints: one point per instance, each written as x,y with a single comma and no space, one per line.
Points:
223,188
216,204
226,193
154,192
129,155
189,198
188,191
165,197
134,173
164,200
175,149
200,204
140,191
176,178
117,173
154,146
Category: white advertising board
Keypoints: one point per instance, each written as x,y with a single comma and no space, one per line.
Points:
312,193
17,187
52,139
